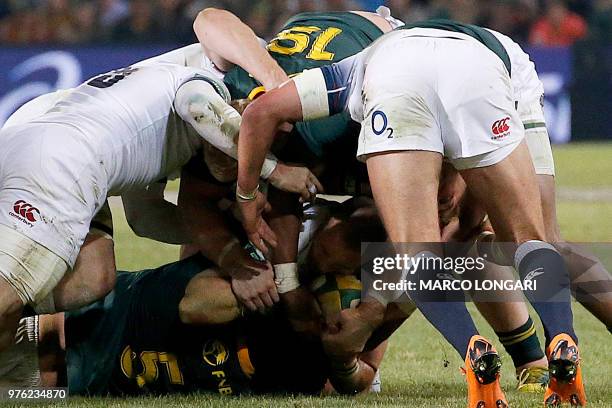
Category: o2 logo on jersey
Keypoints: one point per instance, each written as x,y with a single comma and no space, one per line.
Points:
380,124
214,353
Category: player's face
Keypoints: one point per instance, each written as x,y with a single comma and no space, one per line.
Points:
330,253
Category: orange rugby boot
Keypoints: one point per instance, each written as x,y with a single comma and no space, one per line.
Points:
565,383
482,367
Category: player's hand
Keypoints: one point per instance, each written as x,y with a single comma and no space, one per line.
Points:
257,229
347,332
296,179
258,292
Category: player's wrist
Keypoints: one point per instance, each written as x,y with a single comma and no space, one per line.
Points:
286,277
245,195
371,312
270,166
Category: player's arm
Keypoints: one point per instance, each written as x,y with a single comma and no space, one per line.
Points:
303,98
209,300
149,215
252,281
227,41
207,228
199,104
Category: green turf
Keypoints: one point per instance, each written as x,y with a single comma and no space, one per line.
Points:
413,373
584,165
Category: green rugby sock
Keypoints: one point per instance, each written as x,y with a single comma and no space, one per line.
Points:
522,343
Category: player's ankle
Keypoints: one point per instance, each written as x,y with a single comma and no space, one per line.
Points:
540,363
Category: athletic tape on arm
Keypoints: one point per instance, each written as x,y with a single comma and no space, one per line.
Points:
312,90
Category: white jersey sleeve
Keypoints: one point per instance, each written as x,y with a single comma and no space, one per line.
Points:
204,104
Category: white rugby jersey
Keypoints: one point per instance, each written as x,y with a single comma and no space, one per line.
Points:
128,118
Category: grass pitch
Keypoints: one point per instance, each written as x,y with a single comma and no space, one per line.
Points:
413,373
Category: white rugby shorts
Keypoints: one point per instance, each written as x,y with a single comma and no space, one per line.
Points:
445,95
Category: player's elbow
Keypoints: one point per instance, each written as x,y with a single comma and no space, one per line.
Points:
261,114
208,17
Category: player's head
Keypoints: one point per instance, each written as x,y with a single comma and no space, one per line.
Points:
337,247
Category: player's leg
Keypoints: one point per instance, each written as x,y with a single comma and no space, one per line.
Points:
507,313
396,179
590,281
28,273
11,308
403,141
510,194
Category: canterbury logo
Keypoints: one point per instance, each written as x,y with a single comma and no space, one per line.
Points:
26,210
500,127
534,274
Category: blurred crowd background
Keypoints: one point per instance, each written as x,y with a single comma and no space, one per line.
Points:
530,22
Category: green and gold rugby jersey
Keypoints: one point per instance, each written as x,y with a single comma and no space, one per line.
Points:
311,40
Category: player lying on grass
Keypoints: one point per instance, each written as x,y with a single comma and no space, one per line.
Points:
103,138
197,339
414,112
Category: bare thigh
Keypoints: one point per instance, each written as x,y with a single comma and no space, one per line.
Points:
405,187
510,194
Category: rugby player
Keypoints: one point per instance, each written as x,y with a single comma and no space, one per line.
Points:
58,168
196,340
396,98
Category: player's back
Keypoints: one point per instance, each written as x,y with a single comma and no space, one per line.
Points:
126,117
311,40
133,341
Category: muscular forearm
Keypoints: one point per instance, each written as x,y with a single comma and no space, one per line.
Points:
228,41
209,300
256,135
